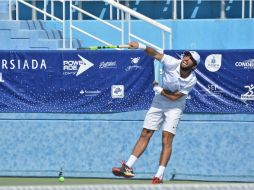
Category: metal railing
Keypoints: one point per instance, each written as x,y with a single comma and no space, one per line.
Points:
45,13
122,11
164,29
96,18
120,8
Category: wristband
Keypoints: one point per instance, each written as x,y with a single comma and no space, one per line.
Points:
157,89
141,46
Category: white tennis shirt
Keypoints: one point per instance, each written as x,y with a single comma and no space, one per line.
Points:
173,82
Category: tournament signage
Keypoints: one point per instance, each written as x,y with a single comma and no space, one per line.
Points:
118,81
75,81
225,82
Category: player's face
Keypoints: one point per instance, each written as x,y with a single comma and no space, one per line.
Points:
187,62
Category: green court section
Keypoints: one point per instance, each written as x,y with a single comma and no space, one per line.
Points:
23,181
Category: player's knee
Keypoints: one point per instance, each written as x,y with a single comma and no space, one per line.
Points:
146,133
167,139
167,144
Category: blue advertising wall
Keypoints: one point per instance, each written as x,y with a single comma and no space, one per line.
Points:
76,82
118,81
207,146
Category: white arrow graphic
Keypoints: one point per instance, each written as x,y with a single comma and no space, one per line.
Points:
85,66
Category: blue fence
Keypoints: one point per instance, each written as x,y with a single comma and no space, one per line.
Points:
206,147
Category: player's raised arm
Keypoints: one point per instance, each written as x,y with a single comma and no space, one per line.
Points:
150,51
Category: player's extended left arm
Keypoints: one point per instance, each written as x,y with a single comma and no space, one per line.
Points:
168,94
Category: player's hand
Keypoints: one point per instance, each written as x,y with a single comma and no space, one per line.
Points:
133,45
157,89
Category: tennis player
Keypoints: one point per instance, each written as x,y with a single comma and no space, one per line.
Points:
166,109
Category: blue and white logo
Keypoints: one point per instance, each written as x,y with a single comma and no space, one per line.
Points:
213,62
249,95
108,65
90,92
26,64
246,64
117,91
134,64
76,67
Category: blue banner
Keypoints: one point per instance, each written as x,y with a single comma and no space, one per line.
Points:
75,81
119,81
225,82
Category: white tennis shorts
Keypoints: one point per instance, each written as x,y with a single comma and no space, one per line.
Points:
168,119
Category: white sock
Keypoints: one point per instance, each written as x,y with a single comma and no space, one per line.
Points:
131,161
160,172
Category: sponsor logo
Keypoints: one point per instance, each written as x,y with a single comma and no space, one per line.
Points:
249,95
18,64
76,67
90,92
134,64
247,64
25,64
108,65
212,90
135,60
117,91
213,62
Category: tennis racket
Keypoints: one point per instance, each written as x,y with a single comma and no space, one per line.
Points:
103,47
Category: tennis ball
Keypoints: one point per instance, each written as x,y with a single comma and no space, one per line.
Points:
61,179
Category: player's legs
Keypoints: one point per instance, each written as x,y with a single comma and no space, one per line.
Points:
167,140
142,142
126,169
153,120
169,129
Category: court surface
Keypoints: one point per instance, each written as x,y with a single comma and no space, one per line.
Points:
17,181
25,183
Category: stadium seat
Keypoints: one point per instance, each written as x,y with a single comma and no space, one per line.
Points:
27,34
4,15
